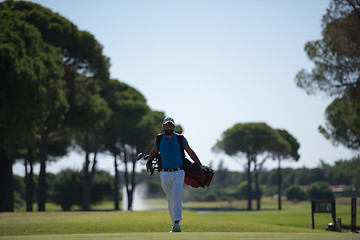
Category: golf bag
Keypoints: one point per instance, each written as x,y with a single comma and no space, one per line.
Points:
195,175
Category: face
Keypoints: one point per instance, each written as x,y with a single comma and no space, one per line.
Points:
168,128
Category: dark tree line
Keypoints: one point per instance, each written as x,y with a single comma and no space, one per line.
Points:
56,93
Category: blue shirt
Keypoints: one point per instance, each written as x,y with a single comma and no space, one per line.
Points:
170,152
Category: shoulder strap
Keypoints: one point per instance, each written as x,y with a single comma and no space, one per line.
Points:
181,141
158,139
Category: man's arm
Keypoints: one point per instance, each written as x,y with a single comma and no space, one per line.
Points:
192,154
152,155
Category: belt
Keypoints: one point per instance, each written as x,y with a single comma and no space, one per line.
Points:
172,170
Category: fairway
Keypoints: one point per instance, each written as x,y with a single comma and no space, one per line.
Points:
190,236
293,222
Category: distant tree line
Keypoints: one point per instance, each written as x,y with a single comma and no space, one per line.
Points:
299,185
344,172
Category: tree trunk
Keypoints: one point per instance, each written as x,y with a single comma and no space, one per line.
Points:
6,183
88,175
31,187
42,175
116,185
133,184
257,187
130,199
279,185
29,182
86,190
127,184
249,185
257,170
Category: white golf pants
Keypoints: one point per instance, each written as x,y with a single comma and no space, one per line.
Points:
172,184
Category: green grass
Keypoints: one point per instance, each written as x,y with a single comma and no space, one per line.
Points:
293,222
192,236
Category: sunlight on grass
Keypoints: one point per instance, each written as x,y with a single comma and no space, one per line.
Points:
294,218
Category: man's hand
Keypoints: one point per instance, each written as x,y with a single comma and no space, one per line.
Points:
148,165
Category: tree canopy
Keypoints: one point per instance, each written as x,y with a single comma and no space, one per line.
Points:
337,55
56,90
337,71
31,81
252,140
342,124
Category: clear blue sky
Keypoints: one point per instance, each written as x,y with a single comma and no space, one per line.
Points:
211,64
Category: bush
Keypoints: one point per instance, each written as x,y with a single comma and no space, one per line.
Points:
102,187
67,188
18,201
242,192
195,196
320,191
19,186
210,197
295,193
270,190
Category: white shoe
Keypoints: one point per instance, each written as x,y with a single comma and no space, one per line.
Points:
176,228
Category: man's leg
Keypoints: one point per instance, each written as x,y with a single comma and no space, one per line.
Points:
177,188
166,184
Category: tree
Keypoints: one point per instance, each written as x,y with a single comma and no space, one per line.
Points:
251,140
29,181
342,125
31,71
337,71
94,113
126,130
336,55
282,153
83,69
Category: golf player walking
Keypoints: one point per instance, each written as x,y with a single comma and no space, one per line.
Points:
172,173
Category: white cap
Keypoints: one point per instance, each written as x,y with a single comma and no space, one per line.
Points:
168,119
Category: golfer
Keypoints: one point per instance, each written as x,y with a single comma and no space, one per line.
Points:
172,173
